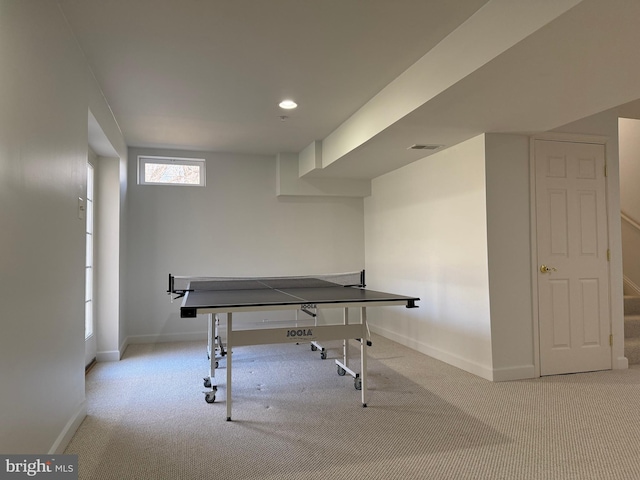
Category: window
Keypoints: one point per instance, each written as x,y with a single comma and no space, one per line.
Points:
171,171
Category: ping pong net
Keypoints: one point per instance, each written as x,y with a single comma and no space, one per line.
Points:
180,285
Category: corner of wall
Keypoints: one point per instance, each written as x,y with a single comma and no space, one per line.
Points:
69,430
289,183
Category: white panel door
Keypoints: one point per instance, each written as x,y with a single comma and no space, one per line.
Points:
573,269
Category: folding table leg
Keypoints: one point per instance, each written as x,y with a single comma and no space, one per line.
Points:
363,356
229,354
210,346
211,352
345,343
343,366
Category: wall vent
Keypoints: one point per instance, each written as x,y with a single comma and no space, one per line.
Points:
418,146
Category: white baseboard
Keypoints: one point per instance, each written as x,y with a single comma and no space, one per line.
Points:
109,356
167,337
621,363
69,430
459,362
520,372
116,355
112,355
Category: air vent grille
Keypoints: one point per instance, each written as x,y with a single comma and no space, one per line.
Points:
419,146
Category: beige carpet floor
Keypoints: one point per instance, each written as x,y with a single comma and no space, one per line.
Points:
295,418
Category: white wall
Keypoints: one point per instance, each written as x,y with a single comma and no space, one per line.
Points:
235,226
629,133
454,229
426,235
107,251
509,246
509,238
46,90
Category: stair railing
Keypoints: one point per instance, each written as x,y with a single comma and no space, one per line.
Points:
630,221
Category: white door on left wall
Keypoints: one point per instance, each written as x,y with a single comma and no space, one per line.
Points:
90,344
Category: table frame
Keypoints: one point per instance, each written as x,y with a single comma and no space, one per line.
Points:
262,336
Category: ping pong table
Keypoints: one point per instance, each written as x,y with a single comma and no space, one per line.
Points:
214,296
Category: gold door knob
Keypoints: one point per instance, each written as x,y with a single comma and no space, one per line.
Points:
545,269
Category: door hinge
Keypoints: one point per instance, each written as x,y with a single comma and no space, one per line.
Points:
606,171
611,340
608,255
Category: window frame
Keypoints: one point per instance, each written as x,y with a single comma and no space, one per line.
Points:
200,162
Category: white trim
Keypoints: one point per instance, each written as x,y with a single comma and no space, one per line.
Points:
571,138
123,347
69,430
112,355
109,356
534,256
520,372
621,363
116,355
167,337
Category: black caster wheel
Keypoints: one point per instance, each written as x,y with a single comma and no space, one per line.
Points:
341,371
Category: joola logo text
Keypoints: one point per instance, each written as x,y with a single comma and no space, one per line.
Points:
300,333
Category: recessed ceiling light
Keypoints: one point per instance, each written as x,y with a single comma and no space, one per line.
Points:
288,104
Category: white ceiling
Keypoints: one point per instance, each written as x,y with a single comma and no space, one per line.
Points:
208,74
